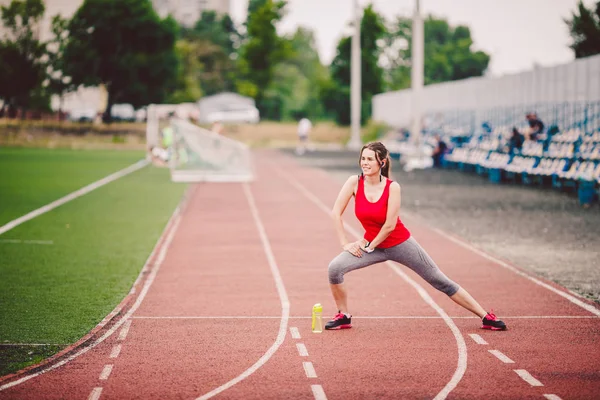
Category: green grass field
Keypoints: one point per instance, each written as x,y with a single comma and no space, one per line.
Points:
53,294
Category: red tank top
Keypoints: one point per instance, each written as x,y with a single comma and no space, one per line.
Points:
372,216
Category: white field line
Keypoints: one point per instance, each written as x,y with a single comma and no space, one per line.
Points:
73,195
283,298
527,377
295,332
124,330
302,351
478,339
169,231
116,350
95,395
460,340
309,369
359,317
571,298
501,356
318,392
25,241
552,397
106,372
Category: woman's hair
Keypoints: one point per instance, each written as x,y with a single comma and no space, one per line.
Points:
382,154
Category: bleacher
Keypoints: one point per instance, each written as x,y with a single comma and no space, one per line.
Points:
563,159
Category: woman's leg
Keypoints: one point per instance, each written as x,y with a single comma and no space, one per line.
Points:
464,299
411,254
340,296
341,265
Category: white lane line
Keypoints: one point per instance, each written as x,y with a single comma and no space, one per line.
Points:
19,241
95,395
115,351
295,332
73,195
283,298
302,350
527,377
318,392
106,372
170,230
123,333
552,397
309,369
478,339
361,317
571,298
460,340
501,356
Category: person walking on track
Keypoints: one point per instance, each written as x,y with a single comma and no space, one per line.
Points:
377,205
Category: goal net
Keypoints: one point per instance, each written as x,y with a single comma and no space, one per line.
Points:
195,154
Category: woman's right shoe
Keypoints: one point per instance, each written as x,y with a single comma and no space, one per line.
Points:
340,321
491,322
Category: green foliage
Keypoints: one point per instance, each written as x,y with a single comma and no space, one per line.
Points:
448,54
263,48
373,131
58,82
21,71
187,88
124,45
585,30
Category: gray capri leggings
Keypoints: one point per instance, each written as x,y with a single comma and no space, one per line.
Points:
408,253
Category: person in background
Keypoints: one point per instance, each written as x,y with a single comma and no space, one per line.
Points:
304,127
439,151
516,141
536,127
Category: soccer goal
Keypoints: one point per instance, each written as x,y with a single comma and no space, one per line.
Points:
195,154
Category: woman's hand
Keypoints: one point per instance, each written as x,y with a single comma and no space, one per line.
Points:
355,248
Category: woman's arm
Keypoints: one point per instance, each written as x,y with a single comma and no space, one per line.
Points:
391,218
339,207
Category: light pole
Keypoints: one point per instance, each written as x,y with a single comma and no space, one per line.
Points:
355,82
417,74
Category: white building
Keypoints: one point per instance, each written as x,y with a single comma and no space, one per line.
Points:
187,12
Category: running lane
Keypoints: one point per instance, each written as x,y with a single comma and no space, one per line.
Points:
552,346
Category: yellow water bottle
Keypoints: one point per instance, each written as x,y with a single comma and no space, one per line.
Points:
317,318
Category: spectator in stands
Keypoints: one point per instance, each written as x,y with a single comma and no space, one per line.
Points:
536,127
516,141
439,151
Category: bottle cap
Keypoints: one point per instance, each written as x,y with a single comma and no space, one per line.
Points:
318,308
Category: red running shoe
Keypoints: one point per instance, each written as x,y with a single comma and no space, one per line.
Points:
340,321
491,322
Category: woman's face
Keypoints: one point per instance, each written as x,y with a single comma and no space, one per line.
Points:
369,163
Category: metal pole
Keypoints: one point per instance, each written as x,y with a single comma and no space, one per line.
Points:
355,82
417,73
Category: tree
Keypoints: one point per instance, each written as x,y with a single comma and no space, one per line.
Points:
263,48
124,45
216,40
448,54
21,69
585,31
57,82
336,95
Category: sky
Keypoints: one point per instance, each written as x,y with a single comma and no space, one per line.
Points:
518,34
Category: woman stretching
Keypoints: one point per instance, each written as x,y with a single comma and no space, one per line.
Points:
377,204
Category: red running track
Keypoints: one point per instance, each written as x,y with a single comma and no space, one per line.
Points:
226,313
